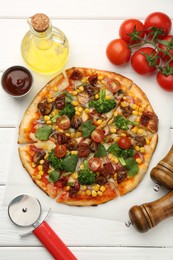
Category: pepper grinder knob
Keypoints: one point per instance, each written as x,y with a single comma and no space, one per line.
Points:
148,215
162,174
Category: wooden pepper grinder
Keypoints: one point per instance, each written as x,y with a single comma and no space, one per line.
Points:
148,215
162,174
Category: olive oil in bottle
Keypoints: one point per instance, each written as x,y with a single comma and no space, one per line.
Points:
44,48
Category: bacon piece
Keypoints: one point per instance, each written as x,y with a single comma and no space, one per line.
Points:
149,120
76,75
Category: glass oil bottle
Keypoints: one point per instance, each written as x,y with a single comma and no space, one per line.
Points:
44,48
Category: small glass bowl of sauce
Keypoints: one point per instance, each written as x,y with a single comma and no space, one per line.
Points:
17,81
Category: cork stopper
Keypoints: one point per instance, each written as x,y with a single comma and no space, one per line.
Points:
40,22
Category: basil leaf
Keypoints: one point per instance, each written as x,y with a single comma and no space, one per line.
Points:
87,128
70,163
43,132
132,167
101,151
54,176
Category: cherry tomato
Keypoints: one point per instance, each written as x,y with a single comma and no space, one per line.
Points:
166,45
60,150
142,64
124,142
63,122
94,164
98,135
118,52
133,27
165,82
160,21
114,85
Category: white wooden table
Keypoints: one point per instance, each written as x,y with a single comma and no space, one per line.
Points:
89,26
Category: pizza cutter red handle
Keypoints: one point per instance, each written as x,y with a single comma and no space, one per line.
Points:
52,242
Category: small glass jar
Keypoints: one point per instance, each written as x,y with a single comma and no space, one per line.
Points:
44,48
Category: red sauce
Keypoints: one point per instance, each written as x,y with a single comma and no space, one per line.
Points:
17,81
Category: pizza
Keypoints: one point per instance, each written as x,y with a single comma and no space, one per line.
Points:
88,137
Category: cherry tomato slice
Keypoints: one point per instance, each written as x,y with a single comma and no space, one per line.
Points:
98,135
124,142
94,164
63,122
60,150
114,85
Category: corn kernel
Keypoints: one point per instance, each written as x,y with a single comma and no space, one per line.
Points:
102,188
83,187
41,172
96,187
99,121
74,152
134,106
33,165
38,177
81,88
87,110
113,130
116,139
88,192
135,113
72,135
115,176
55,89
75,103
78,134
110,156
103,82
123,104
77,113
84,80
49,100
74,175
115,113
142,149
74,92
49,95
81,166
46,156
46,118
40,167
108,97
140,131
137,119
134,130
139,160
147,140
100,193
48,122
97,96
100,77
94,193
137,148
80,109
45,147
123,134
141,109
67,134
67,187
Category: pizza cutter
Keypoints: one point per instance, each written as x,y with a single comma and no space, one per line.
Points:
25,210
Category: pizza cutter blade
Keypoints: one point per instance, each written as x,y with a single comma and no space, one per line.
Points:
25,210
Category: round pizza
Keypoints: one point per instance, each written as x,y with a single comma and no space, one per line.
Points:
88,136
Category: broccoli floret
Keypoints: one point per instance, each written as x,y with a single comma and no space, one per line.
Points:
55,162
86,176
101,105
68,110
123,123
121,154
